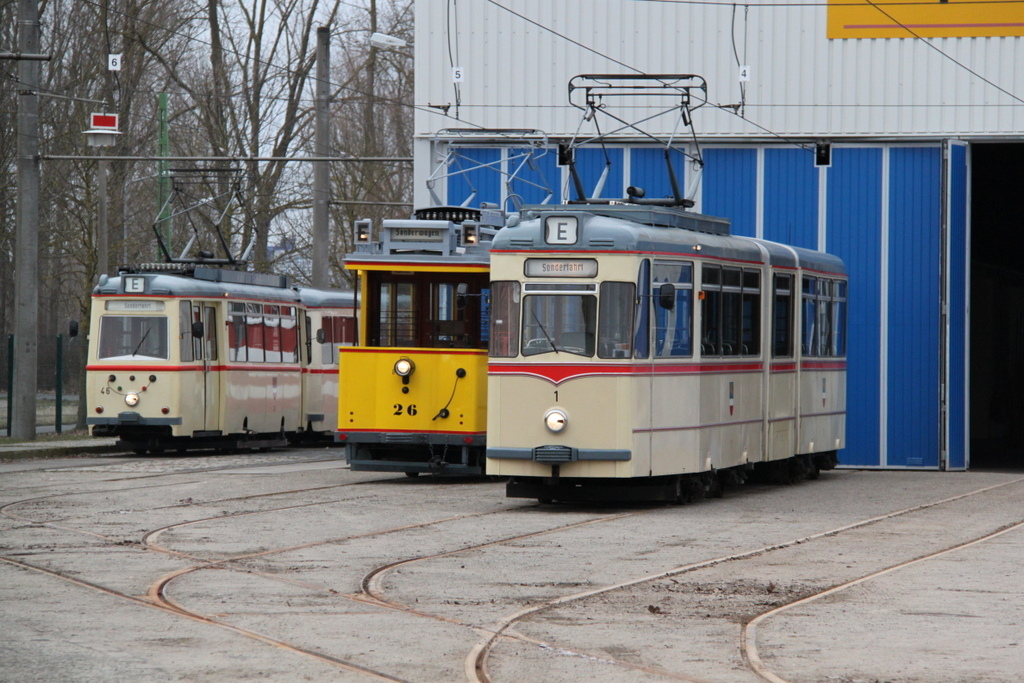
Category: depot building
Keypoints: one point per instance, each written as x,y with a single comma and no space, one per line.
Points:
889,135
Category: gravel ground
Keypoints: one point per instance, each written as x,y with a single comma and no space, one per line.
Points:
287,566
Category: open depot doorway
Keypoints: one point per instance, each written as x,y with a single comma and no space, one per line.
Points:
997,306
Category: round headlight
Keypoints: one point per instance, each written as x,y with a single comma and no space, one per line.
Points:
555,420
404,367
131,398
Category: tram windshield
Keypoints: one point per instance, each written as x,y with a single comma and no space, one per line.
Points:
559,322
124,337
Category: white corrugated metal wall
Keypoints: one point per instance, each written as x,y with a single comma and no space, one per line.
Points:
516,68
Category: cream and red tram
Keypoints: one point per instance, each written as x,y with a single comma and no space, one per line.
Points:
416,385
645,352
187,357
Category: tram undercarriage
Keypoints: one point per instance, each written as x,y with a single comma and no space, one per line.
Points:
679,488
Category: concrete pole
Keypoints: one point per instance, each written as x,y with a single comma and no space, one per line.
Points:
322,169
26,261
102,227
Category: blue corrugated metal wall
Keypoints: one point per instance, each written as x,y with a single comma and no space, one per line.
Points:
487,181
854,220
591,164
648,170
914,260
536,177
730,187
791,197
958,250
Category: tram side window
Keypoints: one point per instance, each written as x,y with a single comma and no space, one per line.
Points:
808,343
289,335
185,330
751,323
254,332
197,342
824,317
338,330
615,320
641,338
782,319
839,321
730,311
673,328
272,333
711,312
504,319
210,332
237,332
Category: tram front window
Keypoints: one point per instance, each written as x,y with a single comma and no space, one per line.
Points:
124,337
554,323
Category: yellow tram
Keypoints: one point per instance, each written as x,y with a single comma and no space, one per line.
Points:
415,388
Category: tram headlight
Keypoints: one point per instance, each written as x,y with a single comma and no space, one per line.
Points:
404,367
131,398
555,420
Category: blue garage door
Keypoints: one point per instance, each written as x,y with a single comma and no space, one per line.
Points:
854,219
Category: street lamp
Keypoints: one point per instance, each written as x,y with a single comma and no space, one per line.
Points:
102,133
386,42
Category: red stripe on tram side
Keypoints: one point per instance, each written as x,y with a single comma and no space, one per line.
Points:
558,373
823,365
190,369
145,368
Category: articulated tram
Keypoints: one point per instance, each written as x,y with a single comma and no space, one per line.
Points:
643,351
188,357
416,384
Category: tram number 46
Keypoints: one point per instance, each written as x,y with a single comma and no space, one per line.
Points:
408,410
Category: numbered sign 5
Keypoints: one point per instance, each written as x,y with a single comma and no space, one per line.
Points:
458,74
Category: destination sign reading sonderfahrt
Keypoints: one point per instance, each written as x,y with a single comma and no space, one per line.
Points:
580,267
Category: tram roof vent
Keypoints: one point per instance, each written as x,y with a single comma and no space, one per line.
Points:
242,277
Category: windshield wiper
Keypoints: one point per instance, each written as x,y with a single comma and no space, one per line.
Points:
541,326
146,334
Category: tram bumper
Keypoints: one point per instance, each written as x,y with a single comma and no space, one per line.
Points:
557,455
128,420
414,452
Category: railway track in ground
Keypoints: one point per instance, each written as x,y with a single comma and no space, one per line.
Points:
373,591
157,594
476,661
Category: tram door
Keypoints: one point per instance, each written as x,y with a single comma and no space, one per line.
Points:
211,378
783,375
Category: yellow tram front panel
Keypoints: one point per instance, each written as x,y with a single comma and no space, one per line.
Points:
443,392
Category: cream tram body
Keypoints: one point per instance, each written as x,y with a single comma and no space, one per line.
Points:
211,359
647,343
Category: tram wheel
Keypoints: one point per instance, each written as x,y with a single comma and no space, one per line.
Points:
545,501
412,475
